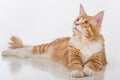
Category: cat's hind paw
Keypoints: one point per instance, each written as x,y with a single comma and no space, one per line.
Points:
5,53
77,73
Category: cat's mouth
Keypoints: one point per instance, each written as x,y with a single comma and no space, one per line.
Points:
75,29
79,30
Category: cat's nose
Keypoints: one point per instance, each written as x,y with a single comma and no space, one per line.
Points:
76,24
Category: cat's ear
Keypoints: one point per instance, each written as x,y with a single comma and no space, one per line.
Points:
82,11
98,18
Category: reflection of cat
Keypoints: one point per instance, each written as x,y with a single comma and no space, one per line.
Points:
55,69
43,65
83,53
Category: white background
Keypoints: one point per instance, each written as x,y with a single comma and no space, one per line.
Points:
40,21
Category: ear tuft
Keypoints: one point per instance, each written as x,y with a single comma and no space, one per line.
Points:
82,11
98,18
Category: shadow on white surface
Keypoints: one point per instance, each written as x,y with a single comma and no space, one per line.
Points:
56,70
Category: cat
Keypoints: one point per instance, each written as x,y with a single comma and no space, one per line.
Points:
83,53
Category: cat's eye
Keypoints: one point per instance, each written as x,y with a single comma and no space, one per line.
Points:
77,19
86,22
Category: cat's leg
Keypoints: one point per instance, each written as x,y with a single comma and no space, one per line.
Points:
20,52
17,48
75,62
25,53
93,65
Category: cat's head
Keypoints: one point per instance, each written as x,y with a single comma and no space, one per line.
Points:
88,26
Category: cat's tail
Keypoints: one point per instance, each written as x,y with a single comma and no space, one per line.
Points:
41,48
16,42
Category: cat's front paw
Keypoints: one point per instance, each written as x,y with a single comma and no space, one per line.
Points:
77,73
87,71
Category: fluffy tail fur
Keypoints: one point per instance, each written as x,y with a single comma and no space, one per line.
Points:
15,43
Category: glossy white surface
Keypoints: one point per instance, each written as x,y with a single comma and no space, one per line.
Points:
13,68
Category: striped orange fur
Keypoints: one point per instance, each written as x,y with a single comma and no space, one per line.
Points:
40,48
83,52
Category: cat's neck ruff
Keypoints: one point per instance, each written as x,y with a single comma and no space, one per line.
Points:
87,48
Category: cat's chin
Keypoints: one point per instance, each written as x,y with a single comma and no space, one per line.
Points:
76,30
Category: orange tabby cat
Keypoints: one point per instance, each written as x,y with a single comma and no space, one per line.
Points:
83,53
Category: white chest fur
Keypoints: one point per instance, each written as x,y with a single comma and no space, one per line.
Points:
87,48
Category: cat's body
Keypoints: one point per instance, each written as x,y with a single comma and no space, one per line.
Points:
83,53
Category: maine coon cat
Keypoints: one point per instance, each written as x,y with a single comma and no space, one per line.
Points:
83,53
